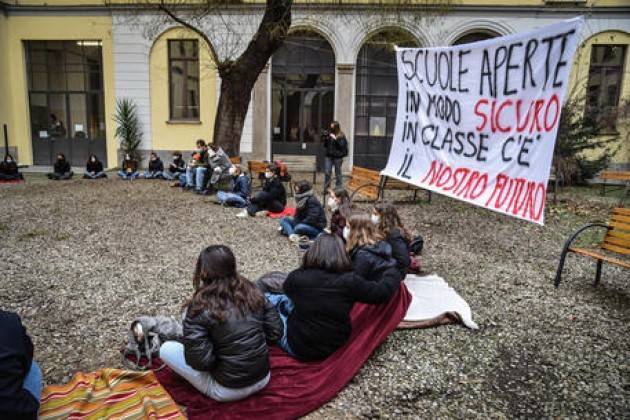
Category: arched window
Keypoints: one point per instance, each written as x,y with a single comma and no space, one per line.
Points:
376,97
303,93
475,37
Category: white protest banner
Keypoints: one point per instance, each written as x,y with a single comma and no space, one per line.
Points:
478,122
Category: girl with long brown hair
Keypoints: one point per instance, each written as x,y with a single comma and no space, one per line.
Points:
340,205
385,217
371,254
227,325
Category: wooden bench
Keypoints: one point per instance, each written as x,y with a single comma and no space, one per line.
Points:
621,177
616,244
372,185
299,163
255,168
236,160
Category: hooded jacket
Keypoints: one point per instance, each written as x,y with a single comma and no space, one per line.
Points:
400,250
95,167
276,190
338,148
16,357
235,351
156,165
178,165
8,168
312,213
61,166
320,321
371,261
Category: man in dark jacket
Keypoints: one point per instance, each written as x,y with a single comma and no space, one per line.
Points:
20,377
310,218
156,167
61,169
336,146
273,196
176,168
9,170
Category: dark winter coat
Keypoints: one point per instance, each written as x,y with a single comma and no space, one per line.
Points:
370,262
95,167
61,166
336,148
234,352
130,164
242,186
156,165
320,321
8,168
276,190
337,223
177,166
16,357
400,250
312,213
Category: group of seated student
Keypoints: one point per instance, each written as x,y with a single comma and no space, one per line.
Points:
208,164
9,169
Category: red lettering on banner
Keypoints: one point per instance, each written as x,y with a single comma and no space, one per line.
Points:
542,115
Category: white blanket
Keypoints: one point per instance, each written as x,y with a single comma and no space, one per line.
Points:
432,297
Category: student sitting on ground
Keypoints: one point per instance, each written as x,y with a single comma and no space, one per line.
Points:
241,188
371,255
9,170
94,168
155,169
129,168
385,217
310,217
227,325
219,163
273,196
197,168
319,296
176,168
61,169
340,206
20,376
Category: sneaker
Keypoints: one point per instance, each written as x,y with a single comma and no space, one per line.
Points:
175,184
262,213
294,237
242,214
279,229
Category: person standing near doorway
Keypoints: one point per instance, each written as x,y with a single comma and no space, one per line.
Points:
336,146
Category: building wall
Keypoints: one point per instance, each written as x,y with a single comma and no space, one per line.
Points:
15,90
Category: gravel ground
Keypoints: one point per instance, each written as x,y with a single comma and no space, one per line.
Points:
80,259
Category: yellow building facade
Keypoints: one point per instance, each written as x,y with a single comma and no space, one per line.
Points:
65,63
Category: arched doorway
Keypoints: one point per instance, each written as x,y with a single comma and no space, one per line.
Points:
302,95
475,37
376,97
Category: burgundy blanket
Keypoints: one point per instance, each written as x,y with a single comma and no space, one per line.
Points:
297,388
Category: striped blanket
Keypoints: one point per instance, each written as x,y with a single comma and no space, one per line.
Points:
111,394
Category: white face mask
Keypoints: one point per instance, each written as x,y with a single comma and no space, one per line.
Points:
332,204
9,160
232,170
175,157
346,233
268,175
376,219
93,159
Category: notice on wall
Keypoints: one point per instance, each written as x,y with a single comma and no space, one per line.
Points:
478,122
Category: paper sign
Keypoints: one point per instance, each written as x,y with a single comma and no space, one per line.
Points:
478,122
43,134
78,127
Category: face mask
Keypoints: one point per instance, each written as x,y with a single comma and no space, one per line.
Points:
376,219
332,204
93,159
268,175
9,160
232,171
175,157
346,233
154,159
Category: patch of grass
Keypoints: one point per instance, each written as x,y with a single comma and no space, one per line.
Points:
62,237
3,227
33,234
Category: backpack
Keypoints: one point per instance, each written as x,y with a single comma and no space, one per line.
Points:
145,336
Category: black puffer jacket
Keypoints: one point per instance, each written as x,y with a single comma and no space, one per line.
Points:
370,262
61,166
311,214
400,250
235,351
95,167
337,148
276,190
156,165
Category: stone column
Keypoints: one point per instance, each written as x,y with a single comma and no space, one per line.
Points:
345,106
261,115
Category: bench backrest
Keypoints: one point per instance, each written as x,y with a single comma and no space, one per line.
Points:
236,160
617,238
616,175
298,162
363,176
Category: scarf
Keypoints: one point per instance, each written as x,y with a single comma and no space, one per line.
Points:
301,199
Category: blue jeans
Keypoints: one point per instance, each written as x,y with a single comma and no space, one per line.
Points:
130,176
284,306
154,175
33,381
195,177
172,353
289,226
90,175
171,175
328,167
231,199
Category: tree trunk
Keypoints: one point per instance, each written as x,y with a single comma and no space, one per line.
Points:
238,77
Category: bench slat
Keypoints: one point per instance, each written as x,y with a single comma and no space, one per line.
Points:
615,248
620,225
620,218
625,243
622,211
616,175
618,234
598,256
